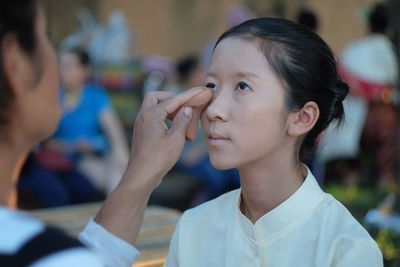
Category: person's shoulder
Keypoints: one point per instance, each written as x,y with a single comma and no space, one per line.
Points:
26,241
220,207
16,228
342,225
350,238
53,247
342,231
353,48
69,257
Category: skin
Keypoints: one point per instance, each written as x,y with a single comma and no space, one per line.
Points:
22,131
197,103
72,73
247,126
34,116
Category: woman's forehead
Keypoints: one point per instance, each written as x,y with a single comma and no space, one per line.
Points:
240,57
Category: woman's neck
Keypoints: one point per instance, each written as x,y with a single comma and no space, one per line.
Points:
72,96
73,89
265,185
11,161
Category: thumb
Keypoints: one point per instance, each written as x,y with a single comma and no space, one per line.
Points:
182,120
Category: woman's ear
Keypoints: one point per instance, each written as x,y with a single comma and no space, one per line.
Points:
302,121
18,66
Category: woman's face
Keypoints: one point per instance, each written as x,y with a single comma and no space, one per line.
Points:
73,73
245,122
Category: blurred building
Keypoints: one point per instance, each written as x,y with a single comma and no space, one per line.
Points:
176,28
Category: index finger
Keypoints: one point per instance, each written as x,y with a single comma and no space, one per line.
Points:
172,104
153,98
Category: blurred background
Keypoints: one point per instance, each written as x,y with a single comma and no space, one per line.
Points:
114,51
176,28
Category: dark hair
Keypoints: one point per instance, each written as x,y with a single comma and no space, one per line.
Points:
378,18
305,65
308,18
186,66
81,54
17,17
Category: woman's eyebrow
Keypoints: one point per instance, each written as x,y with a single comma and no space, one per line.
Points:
240,74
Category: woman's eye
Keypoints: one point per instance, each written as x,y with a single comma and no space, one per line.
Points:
243,86
211,86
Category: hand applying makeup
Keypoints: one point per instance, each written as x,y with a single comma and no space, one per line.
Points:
198,103
155,149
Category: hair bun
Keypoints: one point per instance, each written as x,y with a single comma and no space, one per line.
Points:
341,91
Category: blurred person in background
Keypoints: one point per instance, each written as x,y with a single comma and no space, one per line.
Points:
89,133
369,67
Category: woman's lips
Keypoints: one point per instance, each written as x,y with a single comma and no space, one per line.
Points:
215,139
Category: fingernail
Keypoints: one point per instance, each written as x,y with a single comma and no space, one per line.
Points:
188,111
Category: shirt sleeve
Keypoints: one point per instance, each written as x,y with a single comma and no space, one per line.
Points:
173,252
112,250
365,253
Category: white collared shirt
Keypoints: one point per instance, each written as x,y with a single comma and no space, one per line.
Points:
310,228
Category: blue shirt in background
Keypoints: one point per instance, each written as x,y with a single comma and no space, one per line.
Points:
82,123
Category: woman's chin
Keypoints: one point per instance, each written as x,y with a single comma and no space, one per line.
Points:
221,164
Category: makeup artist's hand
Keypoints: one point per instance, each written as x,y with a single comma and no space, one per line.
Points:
156,148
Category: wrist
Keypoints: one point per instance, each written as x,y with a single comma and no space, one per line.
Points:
139,180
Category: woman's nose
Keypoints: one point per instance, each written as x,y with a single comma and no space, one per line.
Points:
218,108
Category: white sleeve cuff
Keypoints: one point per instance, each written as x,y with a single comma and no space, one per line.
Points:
112,250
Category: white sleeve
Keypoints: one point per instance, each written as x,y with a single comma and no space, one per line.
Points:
112,250
365,253
173,252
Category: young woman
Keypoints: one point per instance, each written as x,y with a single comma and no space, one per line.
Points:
276,89
29,112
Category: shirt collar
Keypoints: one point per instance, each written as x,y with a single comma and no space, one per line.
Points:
285,215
